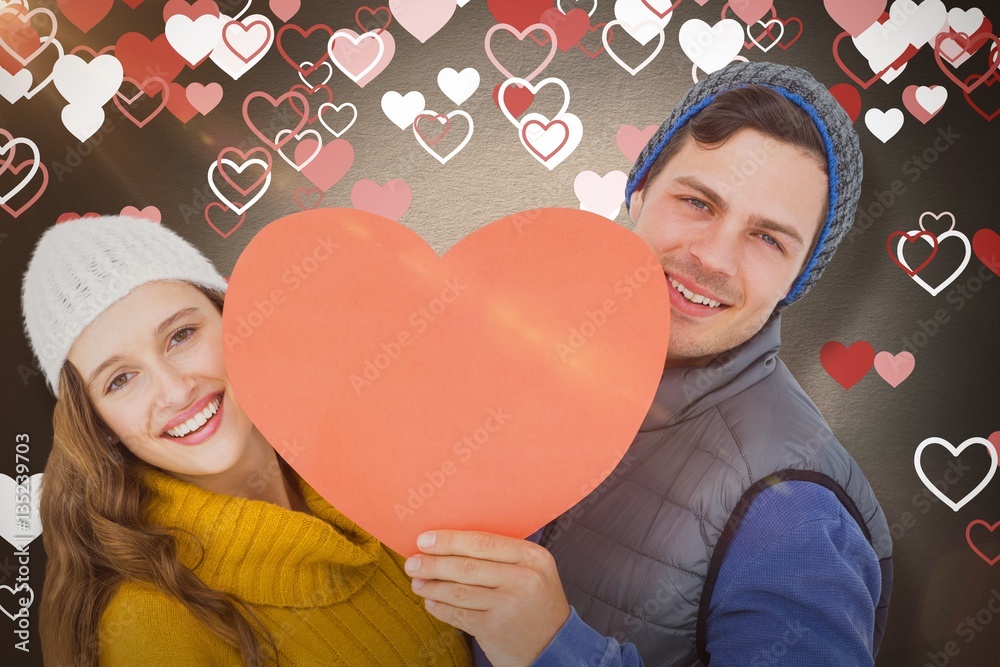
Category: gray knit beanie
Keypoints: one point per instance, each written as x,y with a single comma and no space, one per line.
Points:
82,266
843,153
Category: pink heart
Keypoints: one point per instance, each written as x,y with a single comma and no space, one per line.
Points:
204,98
631,140
521,34
855,16
329,166
751,11
150,213
390,200
994,439
894,368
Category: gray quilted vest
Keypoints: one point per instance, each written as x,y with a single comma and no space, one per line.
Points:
638,557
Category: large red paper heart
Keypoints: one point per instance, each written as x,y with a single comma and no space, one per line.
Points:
489,389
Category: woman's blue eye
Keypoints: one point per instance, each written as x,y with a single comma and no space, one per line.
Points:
115,386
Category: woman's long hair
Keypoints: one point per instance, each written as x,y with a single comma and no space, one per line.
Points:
95,538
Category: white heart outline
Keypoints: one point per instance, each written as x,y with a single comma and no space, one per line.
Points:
590,13
955,451
31,172
238,210
454,151
243,11
13,591
329,68
781,33
42,43
934,291
319,114
319,146
371,34
534,88
610,52
936,216
47,80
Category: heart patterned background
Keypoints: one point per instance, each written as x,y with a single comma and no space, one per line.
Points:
216,117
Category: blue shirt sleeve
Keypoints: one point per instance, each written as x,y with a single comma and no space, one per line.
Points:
575,645
798,585
579,645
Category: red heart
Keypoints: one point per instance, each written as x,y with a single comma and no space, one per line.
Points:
849,98
160,86
986,245
517,98
143,59
274,104
217,205
23,41
442,129
968,538
656,11
836,56
70,215
911,239
545,126
787,22
321,89
291,27
970,44
490,389
85,14
373,12
178,103
306,206
598,28
15,212
845,364
192,11
518,15
570,27
968,98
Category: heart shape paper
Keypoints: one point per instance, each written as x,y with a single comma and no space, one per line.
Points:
489,389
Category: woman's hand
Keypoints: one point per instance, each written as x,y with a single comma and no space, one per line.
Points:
503,591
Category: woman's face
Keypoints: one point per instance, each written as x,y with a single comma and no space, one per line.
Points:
151,363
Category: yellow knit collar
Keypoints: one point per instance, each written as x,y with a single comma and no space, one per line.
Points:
262,552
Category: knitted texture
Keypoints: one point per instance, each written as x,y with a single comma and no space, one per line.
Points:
80,267
843,152
329,592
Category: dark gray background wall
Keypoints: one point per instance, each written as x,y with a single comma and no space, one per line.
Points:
943,588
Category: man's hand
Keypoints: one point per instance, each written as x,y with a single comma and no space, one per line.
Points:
505,592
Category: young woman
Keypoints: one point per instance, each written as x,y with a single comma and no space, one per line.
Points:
175,533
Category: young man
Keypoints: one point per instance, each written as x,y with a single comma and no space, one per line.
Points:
736,529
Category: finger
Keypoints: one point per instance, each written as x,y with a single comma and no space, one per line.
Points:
475,544
475,598
466,620
459,569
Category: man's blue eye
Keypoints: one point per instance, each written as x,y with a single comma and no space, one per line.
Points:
696,203
772,242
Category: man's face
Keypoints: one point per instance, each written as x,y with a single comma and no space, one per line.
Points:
736,224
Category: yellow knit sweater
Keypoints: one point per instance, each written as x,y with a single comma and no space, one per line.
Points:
330,593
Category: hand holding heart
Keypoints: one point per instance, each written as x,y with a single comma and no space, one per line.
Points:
503,591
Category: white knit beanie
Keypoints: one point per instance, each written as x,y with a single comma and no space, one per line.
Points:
81,267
